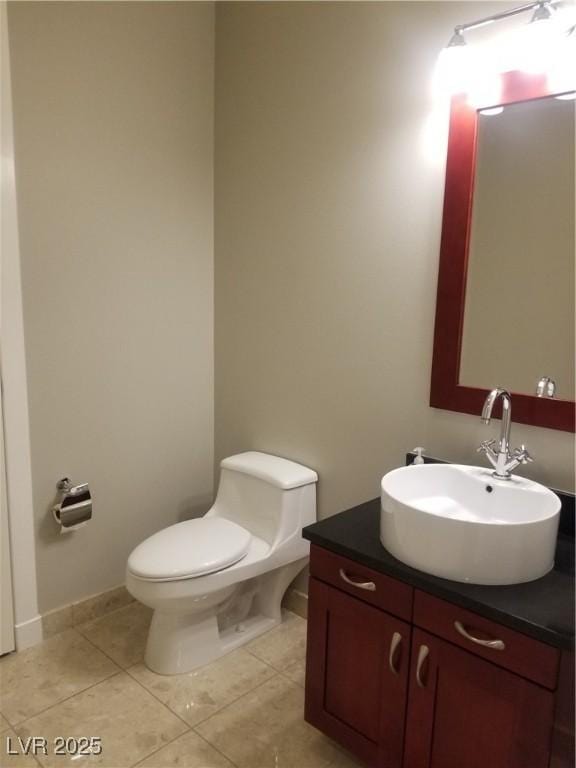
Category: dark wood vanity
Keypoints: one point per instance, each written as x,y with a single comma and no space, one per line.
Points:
405,669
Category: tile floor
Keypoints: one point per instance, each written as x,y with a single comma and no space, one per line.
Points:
244,710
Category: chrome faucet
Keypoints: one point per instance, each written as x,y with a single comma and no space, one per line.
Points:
501,459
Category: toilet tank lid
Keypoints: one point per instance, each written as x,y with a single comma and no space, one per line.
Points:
282,473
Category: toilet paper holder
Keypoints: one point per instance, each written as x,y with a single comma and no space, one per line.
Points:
74,506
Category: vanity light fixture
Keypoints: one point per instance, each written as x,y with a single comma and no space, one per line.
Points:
531,48
543,12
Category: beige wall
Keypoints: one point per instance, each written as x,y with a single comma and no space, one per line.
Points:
519,319
113,108
328,205
328,215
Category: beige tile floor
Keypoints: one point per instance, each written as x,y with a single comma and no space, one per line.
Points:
244,710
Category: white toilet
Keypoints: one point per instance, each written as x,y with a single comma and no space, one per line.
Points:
217,582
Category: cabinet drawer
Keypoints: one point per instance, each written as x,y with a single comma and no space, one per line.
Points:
362,582
514,651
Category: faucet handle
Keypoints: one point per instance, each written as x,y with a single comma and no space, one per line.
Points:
522,456
486,446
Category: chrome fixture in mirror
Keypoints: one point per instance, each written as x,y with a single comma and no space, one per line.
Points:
546,387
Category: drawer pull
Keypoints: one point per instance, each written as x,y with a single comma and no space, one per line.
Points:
497,645
395,646
422,656
367,585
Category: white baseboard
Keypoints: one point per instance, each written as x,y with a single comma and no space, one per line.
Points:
28,633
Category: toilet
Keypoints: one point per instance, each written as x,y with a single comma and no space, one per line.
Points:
217,582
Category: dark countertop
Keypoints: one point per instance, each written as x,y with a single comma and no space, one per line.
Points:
543,609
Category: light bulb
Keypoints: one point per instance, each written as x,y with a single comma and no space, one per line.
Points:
532,47
454,67
485,88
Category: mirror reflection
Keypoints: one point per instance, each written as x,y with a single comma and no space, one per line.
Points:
519,304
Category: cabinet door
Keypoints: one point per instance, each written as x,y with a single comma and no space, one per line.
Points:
357,675
464,712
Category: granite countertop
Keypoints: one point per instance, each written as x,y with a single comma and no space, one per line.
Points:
543,609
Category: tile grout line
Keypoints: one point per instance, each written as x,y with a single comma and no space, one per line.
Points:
166,706
172,712
235,701
181,736
118,669
232,701
214,747
276,669
115,674
166,744
300,685
192,728
93,644
223,709
62,701
131,676
99,618
339,750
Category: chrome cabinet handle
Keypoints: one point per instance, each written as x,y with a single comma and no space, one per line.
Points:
422,656
395,644
368,585
497,645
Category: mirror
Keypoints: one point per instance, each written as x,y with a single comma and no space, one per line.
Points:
519,308
505,302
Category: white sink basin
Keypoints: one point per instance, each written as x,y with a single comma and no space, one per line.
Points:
460,523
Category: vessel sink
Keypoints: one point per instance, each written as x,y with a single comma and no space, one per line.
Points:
461,523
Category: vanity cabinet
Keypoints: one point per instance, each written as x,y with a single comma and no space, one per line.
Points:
465,712
357,679
403,679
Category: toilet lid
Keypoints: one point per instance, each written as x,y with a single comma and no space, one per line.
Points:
193,548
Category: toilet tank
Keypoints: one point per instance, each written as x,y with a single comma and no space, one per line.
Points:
272,497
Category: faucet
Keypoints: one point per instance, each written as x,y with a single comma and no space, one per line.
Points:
501,459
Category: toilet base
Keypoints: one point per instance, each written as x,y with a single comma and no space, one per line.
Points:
169,651
179,643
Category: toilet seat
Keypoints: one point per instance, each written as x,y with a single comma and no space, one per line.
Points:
190,549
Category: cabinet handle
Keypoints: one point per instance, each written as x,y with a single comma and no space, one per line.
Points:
395,645
368,585
422,656
497,645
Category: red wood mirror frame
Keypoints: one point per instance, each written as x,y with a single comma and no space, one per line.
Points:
446,392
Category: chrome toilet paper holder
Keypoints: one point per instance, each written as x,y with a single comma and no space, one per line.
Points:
74,506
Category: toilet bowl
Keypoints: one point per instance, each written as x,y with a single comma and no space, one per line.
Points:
218,581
